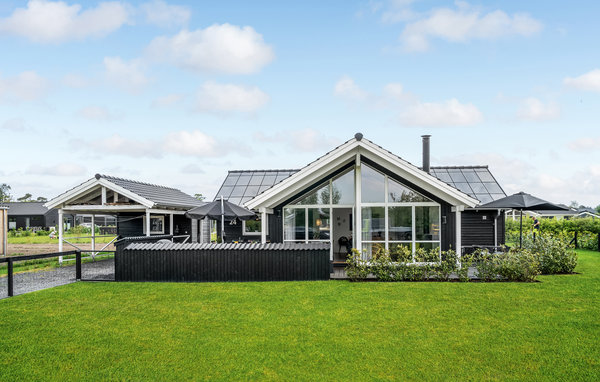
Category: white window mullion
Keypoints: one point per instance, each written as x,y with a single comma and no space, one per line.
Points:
385,213
306,225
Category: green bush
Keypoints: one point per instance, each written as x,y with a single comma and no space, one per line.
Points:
518,265
587,230
553,253
486,264
42,233
79,230
357,268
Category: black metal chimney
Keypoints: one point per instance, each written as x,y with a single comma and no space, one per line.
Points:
426,152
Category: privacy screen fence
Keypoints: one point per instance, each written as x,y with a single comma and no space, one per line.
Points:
166,261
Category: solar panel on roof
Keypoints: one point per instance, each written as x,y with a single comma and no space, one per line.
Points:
231,179
478,187
238,191
252,191
483,198
457,177
464,187
470,175
257,179
243,180
493,188
485,175
269,180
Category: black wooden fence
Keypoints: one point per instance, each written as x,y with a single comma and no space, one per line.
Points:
222,262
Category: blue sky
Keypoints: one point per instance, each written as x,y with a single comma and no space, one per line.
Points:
177,93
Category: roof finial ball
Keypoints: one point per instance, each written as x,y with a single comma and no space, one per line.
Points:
98,176
358,136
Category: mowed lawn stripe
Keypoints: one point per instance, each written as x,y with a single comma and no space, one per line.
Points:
330,330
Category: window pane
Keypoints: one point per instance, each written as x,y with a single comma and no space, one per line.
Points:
343,189
401,252
372,185
373,223
371,249
252,226
318,224
294,224
427,224
400,193
400,223
318,196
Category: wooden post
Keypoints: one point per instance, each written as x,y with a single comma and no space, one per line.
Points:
147,222
93,236
61,227
78,266
171,224
10,277
263,226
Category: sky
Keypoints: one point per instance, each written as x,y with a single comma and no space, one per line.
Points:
178,93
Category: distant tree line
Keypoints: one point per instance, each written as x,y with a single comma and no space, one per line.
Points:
6,196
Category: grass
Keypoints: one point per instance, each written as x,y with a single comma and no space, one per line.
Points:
34,239
330,330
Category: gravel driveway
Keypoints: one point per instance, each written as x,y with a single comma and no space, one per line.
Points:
32,281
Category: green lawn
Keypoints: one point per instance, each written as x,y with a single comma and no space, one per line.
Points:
331,330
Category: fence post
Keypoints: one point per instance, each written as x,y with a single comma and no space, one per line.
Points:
78,265
10,277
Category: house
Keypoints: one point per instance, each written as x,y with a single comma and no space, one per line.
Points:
33,215
3,230
359,187
140,208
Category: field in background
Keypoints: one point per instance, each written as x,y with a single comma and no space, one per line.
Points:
329,330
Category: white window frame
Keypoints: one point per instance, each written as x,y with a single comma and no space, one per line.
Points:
160,217
257,233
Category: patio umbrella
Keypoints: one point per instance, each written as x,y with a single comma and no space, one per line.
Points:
523,202
221,209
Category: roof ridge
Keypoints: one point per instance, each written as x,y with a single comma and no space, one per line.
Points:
271,170
460,167
98,176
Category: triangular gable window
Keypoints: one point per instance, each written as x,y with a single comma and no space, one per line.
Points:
399,193
316,197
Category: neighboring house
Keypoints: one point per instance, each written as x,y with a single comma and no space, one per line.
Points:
361,187
139,208
27,215
3,230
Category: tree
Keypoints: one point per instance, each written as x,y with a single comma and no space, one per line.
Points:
5,195
598,208
25,198
200,197
574,204
41,199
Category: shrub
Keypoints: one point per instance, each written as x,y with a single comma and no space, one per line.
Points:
42,233
447,265
518,265
79,230
553,252
357,268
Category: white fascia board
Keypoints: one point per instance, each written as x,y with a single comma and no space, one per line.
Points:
90,184
75,192
126,193
92,207
419,177
305,177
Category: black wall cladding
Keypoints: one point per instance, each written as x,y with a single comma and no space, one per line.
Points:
222,262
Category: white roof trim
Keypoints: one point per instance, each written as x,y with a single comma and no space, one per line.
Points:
86,186
343,155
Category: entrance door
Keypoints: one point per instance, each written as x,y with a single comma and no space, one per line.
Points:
341,238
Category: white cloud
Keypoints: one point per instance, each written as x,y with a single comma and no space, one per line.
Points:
533,109
447,113
192,168
221,48
119,145
192,143
26,86
168,100
162,14
465,24
348,89
225,98
76,81
589,81
54,22
129,76
303,140
585,144
17,125
98,113
61,169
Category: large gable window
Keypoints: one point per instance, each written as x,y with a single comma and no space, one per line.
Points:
157,225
